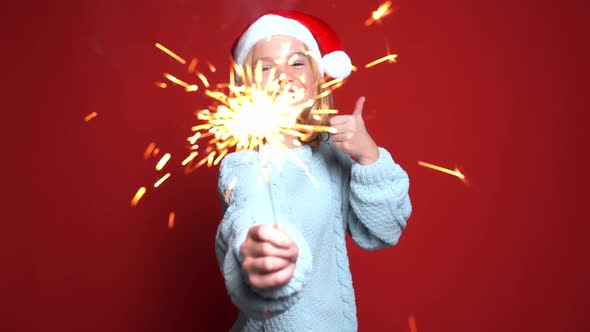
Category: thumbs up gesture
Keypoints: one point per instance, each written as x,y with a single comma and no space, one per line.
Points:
352,137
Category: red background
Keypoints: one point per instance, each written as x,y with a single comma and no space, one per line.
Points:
493,87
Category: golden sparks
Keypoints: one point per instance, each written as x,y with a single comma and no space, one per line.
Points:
160,165
159,182
190,157
175,80
192,65
149,150
140,192
90,116
170,53
390,57
161,85
383,10
203,79
171,216
412,323
455,172
191,88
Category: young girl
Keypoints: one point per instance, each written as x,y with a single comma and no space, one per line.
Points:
294,275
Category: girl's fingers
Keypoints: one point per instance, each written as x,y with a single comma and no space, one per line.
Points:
273,279
268,233
264,264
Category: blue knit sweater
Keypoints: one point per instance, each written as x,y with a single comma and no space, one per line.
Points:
370,202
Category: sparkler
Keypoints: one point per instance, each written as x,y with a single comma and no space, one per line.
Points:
376,16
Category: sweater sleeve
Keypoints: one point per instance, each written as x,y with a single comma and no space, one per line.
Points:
245,204
379,202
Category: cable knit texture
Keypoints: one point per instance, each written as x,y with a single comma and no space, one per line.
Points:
319,197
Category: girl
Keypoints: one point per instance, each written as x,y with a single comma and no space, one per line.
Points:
295,276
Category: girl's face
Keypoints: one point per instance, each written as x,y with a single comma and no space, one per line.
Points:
293,68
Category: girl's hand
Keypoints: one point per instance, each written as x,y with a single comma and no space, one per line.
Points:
352,137
269,256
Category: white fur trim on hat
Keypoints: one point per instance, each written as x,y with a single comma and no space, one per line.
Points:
337,64
275,25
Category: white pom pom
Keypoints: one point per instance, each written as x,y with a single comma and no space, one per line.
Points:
337,64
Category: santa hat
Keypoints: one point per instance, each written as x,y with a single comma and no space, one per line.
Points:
322,42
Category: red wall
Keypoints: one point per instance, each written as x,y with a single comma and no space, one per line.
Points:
492,87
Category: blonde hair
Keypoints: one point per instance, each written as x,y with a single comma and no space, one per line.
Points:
313,139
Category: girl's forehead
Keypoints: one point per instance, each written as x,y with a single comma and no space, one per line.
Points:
277,47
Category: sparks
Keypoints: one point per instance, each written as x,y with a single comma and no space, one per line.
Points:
455,172
149,150
175,80
211,67
170,53
90,116
376,16
391,58
412,323
203,79
191,88
161,85
159,182
171,216
190,158
192,65
140,192
160,165
249,116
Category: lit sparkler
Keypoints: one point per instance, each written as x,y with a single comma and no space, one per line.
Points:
376,16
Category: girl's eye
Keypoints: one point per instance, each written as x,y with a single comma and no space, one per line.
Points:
266,68
298,64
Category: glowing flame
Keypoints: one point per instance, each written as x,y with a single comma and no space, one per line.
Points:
390,57
170,53
383,10
90,116
212,67
140,192
455,172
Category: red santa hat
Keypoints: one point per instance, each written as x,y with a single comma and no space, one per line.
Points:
322,42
